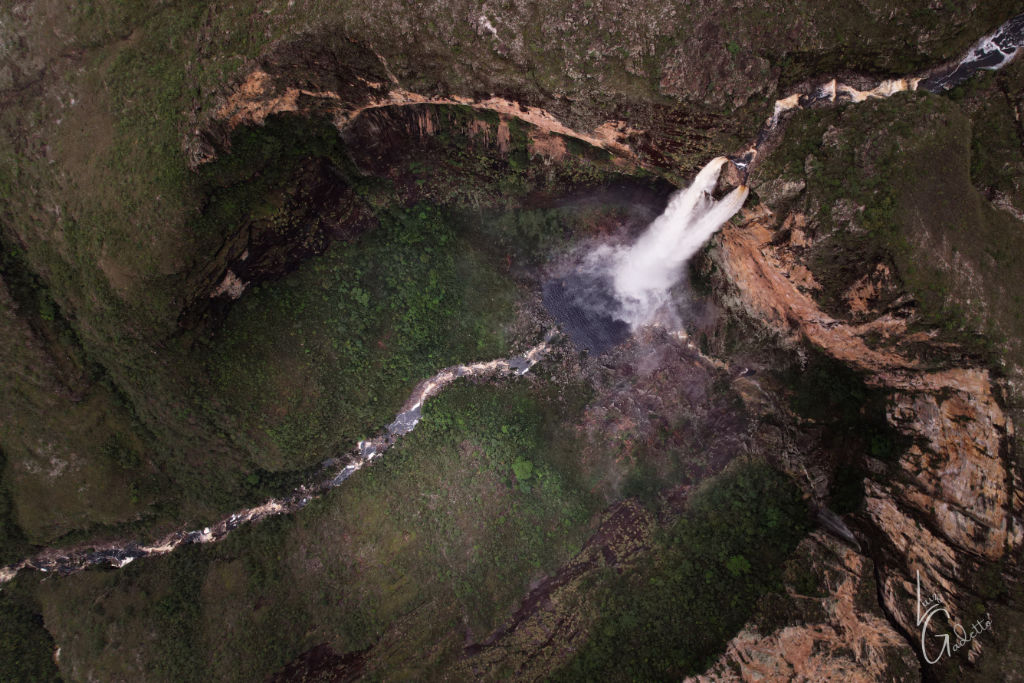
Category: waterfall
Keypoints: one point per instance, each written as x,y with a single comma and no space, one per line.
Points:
615,289
644,273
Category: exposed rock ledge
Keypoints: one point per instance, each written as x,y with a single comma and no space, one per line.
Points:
842,637
948,501
259,96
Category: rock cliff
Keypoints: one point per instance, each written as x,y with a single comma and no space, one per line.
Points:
836,630
949,501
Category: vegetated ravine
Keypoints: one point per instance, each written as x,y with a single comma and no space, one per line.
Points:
612,295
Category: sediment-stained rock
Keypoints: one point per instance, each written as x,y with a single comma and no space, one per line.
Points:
840,636
949,500
257,97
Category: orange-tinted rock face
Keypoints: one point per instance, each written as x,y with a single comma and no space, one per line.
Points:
257,97
948,499
771,284
840,639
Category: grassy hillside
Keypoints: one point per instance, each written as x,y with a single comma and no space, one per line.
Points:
443,535
134,401
674,613
893,182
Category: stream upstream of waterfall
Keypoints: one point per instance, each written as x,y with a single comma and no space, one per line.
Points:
990,53
641,276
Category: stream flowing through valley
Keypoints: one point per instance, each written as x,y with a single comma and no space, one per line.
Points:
633,284
71,560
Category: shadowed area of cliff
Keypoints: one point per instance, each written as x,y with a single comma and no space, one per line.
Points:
235,235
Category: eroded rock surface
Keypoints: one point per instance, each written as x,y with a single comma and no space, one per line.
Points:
837,632
949,500
257,97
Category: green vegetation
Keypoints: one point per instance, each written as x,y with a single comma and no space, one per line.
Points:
997,162
26,649
850,29
262,405
310,364
59,414
891,180
121,237
116,418
499,509
579,148
464,164
250,195
246,395
533,236
12,538
529,235
438,536
850,417
671,615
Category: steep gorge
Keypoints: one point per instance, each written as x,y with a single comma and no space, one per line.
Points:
950,501
955,486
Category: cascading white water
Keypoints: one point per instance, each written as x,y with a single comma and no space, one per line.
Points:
642,274
120,554
639,277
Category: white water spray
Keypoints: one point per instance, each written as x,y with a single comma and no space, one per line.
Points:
643,274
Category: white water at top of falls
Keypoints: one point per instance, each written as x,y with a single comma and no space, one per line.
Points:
640,277
643,273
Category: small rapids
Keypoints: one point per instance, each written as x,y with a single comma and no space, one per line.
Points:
71,560
613,291
990,53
